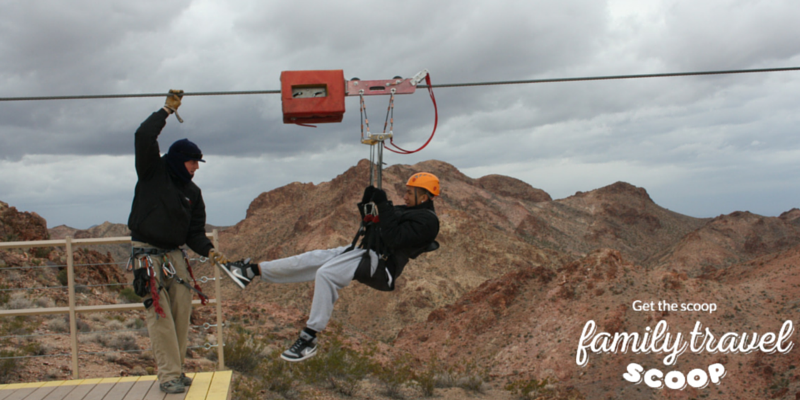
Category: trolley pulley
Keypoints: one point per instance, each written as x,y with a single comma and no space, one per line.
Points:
311,97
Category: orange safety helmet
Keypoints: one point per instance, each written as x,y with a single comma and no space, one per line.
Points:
425,181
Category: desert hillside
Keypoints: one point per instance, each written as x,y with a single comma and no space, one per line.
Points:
516,280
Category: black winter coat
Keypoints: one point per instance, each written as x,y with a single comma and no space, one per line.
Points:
166,211
403,233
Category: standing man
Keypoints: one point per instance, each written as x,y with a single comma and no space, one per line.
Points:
167,212
392,236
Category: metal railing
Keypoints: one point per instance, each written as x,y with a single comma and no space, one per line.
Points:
73,310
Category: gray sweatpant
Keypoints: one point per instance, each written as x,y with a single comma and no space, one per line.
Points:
331,270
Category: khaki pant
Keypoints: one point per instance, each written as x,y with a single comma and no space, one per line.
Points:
169,335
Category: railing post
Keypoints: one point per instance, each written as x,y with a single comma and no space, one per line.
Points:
218,296
73,322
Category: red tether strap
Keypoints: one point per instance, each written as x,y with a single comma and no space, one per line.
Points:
154,290
435,123
203,300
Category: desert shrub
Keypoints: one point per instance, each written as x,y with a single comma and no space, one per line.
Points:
7,365
242,351
16,326
19,302
58,324
530,389
114,325
340,367
473,377
41,252
147,356
123,341
45,302
246,387
426,379
4,296
127,295
277,375
13,276
82,325
394,375
135,323
52,374
62,277
35,349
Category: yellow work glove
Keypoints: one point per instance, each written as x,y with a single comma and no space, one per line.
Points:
217,257
174,100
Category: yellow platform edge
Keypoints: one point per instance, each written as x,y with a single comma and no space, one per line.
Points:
206,385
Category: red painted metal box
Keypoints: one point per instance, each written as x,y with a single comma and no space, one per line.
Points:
312,96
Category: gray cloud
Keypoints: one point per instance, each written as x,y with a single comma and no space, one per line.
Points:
700,145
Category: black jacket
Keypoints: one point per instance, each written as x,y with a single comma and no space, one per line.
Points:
403,233
166,212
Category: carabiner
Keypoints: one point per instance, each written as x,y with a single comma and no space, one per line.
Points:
167,267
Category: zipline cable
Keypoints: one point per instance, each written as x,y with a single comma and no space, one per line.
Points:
122,96
445,85
613,77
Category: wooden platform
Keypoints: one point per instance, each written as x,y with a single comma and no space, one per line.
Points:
206,385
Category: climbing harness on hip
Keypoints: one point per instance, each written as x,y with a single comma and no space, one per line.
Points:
147,279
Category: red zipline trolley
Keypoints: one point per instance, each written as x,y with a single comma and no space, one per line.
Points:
312,97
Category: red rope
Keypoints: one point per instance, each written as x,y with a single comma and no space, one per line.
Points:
154,290
203,300
435,123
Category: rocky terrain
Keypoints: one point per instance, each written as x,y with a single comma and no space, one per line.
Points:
518,277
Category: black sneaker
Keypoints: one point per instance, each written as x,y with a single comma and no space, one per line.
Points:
185,380
304,347
240,272
172,387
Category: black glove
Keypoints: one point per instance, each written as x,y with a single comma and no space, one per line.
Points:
368,194
379,196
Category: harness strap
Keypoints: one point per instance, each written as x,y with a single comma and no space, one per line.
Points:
196,288
154,288
361,230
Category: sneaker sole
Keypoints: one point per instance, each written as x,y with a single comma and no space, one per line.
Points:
233,277
307,356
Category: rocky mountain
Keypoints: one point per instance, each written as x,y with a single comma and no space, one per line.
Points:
490,226
302,217
619,216
118,252
530,322
729,239
519,275
39,267
17,226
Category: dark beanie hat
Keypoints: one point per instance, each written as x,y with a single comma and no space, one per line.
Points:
184,150
179,153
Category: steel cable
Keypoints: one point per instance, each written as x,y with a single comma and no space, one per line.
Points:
442,85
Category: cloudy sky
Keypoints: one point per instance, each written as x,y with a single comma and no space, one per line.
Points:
701,146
